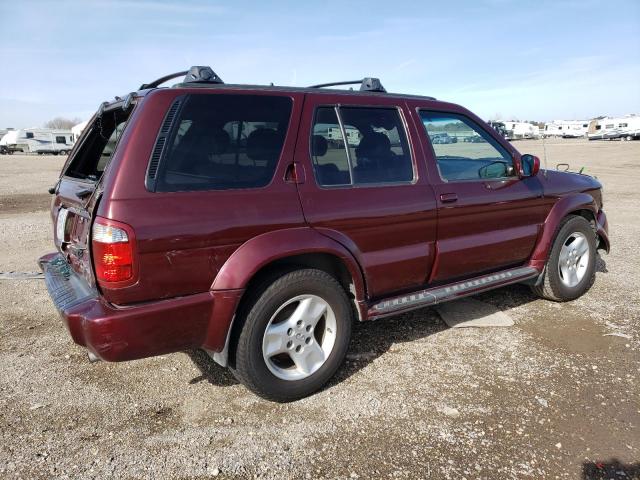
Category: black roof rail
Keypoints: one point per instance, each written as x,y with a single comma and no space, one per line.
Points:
196,74
367,84
161,80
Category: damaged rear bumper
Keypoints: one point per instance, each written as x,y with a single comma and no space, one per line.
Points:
115,333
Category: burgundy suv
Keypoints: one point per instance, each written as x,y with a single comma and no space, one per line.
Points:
257,222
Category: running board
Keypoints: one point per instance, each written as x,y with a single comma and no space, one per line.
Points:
432,296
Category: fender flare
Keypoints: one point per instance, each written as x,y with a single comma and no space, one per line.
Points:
562,208
258,252
232,279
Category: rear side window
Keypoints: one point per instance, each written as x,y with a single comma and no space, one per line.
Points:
224,142
359,146
61,140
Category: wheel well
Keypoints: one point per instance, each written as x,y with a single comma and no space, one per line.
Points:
322,261
588,216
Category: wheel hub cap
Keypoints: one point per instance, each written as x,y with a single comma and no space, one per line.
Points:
299,337
574,259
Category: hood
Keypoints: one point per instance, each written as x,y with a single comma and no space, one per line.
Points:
560,184
573,182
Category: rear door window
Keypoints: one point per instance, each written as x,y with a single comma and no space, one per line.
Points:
359,146
225,142
328,150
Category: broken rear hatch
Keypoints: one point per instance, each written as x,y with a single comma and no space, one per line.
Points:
78,190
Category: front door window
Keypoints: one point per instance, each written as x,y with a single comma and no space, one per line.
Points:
465,151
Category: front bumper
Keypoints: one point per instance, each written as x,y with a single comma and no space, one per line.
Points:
115,333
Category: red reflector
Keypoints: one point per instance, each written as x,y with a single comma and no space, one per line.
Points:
114,261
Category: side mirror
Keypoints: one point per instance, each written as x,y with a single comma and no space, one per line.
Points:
529,165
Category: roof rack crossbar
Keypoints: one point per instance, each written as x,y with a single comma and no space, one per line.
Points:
367,84
335,84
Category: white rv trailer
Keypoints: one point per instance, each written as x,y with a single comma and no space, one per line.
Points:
3,147
518,130
78,129
609,128
335,134
566,128
7,139
631,127
38,140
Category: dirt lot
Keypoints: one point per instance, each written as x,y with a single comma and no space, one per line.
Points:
555,396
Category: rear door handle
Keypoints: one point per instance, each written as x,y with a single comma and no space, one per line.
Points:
448,197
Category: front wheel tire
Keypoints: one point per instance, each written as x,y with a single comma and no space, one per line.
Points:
570,269
294,336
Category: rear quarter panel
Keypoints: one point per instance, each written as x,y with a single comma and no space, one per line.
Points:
184,238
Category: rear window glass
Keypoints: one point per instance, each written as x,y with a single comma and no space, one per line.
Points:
224,142
98,147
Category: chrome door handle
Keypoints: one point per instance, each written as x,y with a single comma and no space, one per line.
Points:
448,197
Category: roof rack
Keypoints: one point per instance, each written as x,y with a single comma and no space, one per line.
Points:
196,74
367,84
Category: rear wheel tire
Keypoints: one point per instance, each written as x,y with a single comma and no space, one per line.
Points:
570,268
294,336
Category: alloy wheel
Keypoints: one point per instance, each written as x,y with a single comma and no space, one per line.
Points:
299,337
574,259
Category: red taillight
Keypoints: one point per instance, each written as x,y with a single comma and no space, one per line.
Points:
112,253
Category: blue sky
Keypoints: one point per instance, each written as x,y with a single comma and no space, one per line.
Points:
536,60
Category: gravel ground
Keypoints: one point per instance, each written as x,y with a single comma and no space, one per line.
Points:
554,396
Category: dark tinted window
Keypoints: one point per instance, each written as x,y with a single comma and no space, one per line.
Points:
328,151
225,141
29,134
376,149
60,140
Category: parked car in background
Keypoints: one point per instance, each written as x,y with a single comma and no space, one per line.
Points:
474,139
440,138
220,217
